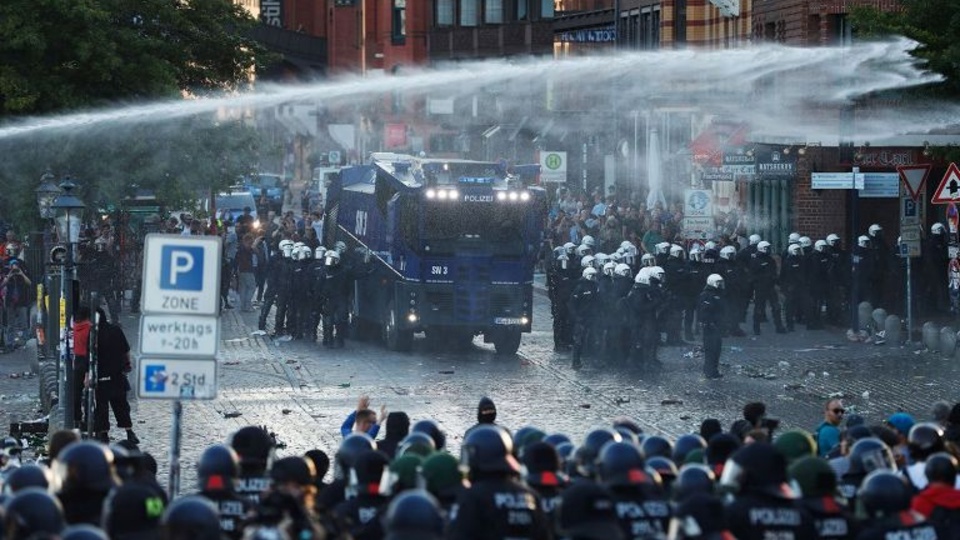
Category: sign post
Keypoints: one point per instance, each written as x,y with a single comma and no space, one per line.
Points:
179,328
912,183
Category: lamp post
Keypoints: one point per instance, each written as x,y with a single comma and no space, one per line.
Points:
69,210
47,193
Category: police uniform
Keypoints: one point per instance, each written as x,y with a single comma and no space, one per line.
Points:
498,509
710,313
764,271
582,305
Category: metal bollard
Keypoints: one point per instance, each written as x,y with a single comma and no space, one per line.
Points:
865,315
948,342
891,330
931,336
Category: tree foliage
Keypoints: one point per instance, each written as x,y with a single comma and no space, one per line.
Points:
934,24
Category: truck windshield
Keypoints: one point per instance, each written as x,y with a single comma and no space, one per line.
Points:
497,227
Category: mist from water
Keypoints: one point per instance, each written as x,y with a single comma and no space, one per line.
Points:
780,91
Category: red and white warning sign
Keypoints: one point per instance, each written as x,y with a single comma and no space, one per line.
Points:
913,177
949,189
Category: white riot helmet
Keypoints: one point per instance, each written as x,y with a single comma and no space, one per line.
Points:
587,261
676,251
570,248
794,238
588,241
763,246
755,239
583,250
696,253
648,260
937,228
820,246
305,253
657,275
589,273
623,270
643,276
601,259
793,249
709,246
296,247
663,248
875,230
286,247
318,253
608,268
340,246
331,257
617,257
805,243
715,281
863,241
625,244
833,239
728,253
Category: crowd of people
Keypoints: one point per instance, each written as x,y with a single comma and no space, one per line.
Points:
845,479
622,302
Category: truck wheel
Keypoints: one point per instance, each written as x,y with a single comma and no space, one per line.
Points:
507,342
395,338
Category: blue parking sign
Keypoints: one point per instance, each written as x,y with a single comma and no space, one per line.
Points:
155,378
181,268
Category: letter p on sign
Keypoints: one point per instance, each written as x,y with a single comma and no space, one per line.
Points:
181,268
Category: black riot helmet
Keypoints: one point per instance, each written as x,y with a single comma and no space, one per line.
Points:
870,454
884,493
525,436
665,468
488,449
191,518
419,443
693,478
86,467
133,509
756,467
218,469
431,428
83,532
686,444
27,476
813,477
33,511
924,439
941,467
555,439
293,469
352,446
621,464
587,453
655,445
415,513
255,448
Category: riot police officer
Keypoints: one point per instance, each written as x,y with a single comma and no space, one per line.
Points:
87,476
864,273
744,258
217,475
496,505
764,271
642,509
734,285
935,261
254,446
838,280
279,275
300,302
763,506
711,313
793,284
675,268
335,297
622,283
583,307
695,273
643,304
883,260
559,286
885,498
817,484
316,271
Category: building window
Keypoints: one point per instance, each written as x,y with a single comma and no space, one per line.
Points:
444,13
493,12
523,10
398,30
546,9
469,12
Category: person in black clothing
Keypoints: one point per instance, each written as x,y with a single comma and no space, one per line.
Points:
112,385
793,283
711,312
361,510
496,505
335,297
398,427
217,475
734,287
279,276
864,273
763,269
817,483
560,281
582,305
935,260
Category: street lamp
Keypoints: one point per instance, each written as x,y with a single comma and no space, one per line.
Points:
47,192
69,211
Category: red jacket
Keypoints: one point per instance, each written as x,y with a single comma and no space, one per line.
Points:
936,495
81,337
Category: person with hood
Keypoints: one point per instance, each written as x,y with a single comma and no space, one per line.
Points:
939,502
81,358
398,427
486,415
